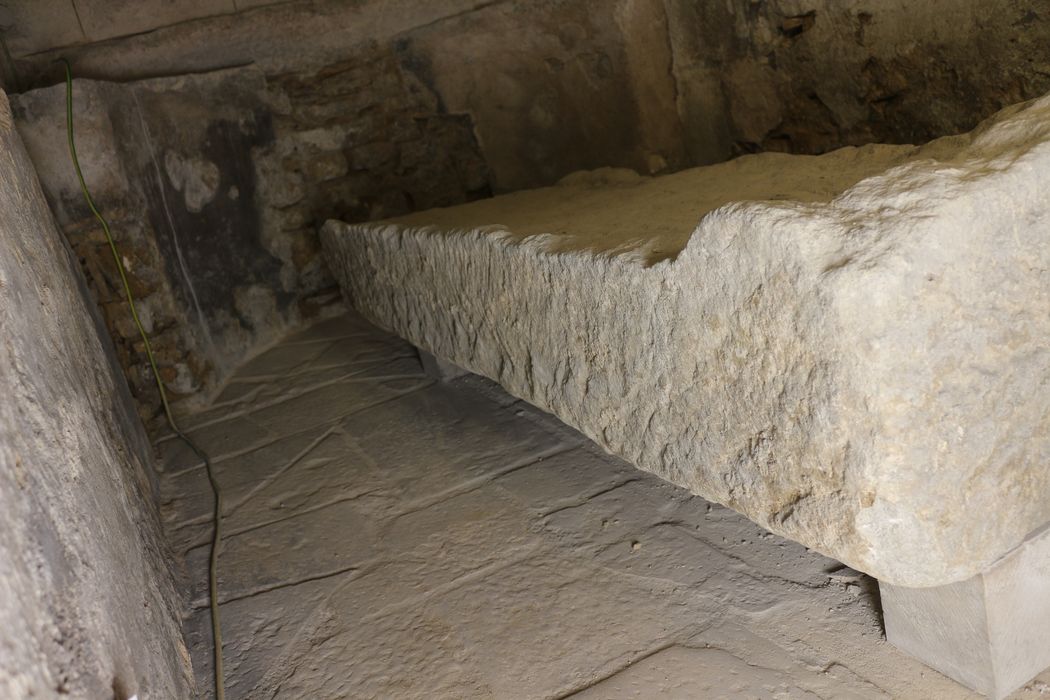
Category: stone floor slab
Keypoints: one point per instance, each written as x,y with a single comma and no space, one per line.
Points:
505,557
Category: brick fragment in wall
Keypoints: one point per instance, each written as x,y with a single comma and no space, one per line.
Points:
40,117
369,156
386,129
320,166
154,303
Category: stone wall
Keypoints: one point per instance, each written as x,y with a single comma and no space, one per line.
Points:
362,110
168,162
556,86
215,185
691,81
808,76
87,604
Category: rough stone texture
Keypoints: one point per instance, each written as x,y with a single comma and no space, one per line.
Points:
170,167
215,185
39,25
34,26
807,76
866,375
393,537
87,605
990,632
366,138
106,19
272,37
533,99
215,189
688,81
388,109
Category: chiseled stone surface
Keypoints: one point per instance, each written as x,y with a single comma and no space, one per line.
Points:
392,536
87,604
215,185
859,364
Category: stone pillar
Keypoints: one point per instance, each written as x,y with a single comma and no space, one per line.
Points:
990,632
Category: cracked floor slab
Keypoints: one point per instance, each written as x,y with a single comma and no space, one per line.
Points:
393,537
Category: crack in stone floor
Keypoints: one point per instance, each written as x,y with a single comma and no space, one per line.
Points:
393,537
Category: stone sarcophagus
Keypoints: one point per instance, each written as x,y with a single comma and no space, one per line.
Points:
853,350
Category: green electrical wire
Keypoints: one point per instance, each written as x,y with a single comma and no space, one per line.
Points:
216,539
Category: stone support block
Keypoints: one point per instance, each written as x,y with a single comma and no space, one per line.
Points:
991,632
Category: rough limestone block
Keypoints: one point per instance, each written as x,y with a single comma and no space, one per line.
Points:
990,632
853,350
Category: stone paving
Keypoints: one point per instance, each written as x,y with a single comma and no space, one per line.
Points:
389,536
